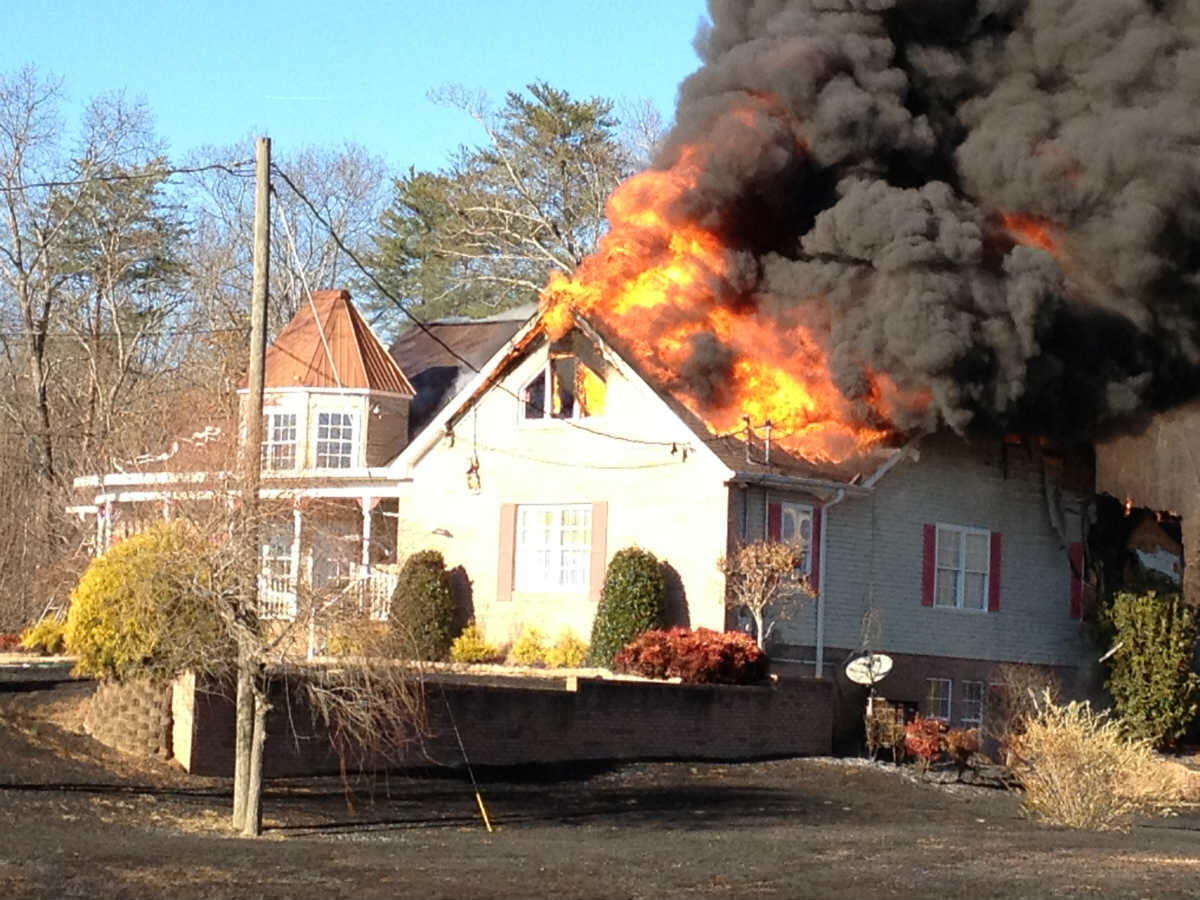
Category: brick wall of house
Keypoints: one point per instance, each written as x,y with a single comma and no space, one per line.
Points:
584,719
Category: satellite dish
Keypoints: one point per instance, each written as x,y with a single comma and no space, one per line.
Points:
868,669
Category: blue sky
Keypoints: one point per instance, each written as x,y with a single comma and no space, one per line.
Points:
324,73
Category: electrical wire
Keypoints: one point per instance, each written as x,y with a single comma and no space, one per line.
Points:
358,263
126,176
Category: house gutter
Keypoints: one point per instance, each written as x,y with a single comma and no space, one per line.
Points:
769,479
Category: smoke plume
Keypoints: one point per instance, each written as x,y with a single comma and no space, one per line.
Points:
996,203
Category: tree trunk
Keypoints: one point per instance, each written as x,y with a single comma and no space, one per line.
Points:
244,735
253,810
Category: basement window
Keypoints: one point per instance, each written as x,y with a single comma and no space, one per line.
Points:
937,698
972,702
565,388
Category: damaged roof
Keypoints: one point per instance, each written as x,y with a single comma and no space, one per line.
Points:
753,460
435,372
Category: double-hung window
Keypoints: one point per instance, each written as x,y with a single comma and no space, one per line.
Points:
795,527
279,441
972,702
335,440
963,559
938,696
553,547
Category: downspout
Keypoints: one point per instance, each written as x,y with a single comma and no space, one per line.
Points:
820,664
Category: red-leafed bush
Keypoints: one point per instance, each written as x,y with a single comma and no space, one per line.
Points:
923,739
702,656
9,643
961,744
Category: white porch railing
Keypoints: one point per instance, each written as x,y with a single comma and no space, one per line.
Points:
368,594
276,597
372,593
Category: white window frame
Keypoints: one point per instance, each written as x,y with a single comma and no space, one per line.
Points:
337,448
968,703
797,510
274,424
947,703
961,571
547,563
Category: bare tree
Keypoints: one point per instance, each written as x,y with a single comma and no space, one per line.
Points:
761,578
84,293
347,185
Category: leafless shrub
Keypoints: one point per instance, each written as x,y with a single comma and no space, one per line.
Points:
1080,772
1012,699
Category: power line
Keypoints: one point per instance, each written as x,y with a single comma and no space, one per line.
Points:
426,329
128,176
78,335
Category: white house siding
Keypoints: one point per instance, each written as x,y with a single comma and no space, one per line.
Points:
874,555
656,499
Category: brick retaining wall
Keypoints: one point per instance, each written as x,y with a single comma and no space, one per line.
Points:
133,716
582,719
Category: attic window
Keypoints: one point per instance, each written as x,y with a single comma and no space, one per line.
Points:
574,390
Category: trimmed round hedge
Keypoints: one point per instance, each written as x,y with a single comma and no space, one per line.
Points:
633,601
422,609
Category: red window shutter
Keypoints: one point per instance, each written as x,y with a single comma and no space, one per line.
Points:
994,574
927,572
599,557
508,550
774,521
814,552
1076,580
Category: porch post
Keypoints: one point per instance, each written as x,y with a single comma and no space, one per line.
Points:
297,520
106,542
100,512
366,535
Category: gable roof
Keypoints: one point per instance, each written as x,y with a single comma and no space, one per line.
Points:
356,359
729,451
436,373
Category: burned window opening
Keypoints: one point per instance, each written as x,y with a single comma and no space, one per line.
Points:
566,388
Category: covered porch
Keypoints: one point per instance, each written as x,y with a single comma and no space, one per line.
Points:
327,553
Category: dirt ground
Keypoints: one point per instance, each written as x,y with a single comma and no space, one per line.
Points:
78,819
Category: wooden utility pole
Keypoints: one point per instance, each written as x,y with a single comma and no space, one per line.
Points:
247,798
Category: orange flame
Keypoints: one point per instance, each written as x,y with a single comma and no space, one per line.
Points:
659,282
1031,231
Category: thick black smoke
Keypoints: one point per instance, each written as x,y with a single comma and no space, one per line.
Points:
865,152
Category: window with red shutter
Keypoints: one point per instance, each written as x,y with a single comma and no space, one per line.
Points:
961,568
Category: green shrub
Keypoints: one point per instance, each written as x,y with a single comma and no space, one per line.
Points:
471,647
423,606
529,649
568,652
632,602
47,636
1150,676
356,639
149,607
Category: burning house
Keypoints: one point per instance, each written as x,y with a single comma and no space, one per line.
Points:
883,238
